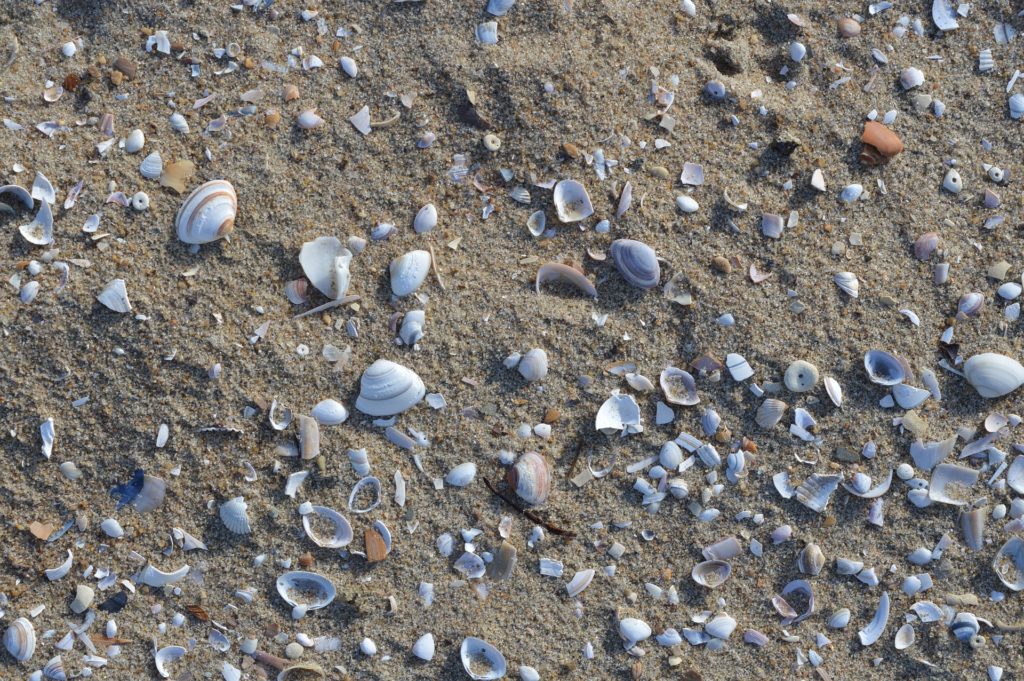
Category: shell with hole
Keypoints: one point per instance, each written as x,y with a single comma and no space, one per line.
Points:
325,262
387,388
636,262
408,272
208,214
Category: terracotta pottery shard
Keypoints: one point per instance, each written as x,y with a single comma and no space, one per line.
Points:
880,144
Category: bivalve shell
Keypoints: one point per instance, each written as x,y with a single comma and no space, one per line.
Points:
305,590
329,412
1008,564
234,516
911,78
572,201
1016,104
636,262
387,388
801,376
461,475
424,647
711,573
884,368
530,477
408,272
54,669
115,296
152,166
847,281
499,8
342,534
770,412
481,660
633,630
208,214
20,639
679,387
534,365
952,182
135,141
166,655
425,220
993,375
325,262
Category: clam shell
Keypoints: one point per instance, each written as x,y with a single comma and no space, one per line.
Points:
54,669
20,639
636,262
839,619
20,194
135,141
481,660
152,166
678,387
39,232
847,281
801,376
720,626
993,375
536,223
115,296
580,581
711,573
911,78
426,219
348,65
633,630
834,390
309,119
944,17
876,628
925,245
208,214
166,655
572,201
461,475
499,8
368,481
534,365
342,534
360,461
233,515
530,477
1008,564
329,412
387,388
408,272
306,590
884,368
411,330
811,560
424,647
556,271
325,262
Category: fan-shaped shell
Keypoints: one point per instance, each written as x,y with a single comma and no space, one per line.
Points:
636,262
993,375
234,516
20,639
408,272
530,477
770,413
481,660
208,214
534,365
342,535
152,166
572,201
325,263
387,388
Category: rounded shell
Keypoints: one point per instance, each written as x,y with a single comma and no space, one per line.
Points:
329,412
993,375
305,589
461,475
801,376
481,660
711,573
572,201
884,368
530,477
151,166
636,262
208,214
234,516
426,219
679,387
408,272
387,388
342,534
534,365
424,647
20,639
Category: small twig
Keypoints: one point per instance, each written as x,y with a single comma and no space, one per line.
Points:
568,534
1006,626
433,266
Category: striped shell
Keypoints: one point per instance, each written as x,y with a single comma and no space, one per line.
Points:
233,515
636,262
531,478
20,639
208,214
387,388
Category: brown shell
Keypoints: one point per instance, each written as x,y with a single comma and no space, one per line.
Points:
530,477
880,143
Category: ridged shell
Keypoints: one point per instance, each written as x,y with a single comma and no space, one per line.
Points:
770,413
839,619
993,375
530,477
481,660
178,123
233,515
342,534
208,214
54,669
847,281
711,573
325,262
20,639
572,201
152,166
534,365
387,388
636,262
408,272
426,219
816,490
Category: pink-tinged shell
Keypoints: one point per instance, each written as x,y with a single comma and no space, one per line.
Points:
530,477
925,245
556,271
297,291
208,214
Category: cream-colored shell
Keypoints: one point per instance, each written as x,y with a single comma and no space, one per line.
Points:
408,272
387,388
208,214
325,263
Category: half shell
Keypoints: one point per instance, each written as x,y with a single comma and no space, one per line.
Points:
208,214
234,516
993,375
636,262
481,660
426,219
325,263
408,272
711,573
342,535
884,368
534,365
619,413
166,655
20,639
306,590
530,477
678,387
572,201
387,388
1008,564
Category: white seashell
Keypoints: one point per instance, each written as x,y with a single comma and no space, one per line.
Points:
770,413
411,330
83,599
387,388
862,486
536,223
847,281
839,619
471,565
370,482
948,477
800,376
112,528
876,628
208,214
1008,564
348,65
711,573
993,375
905,636
342,534
972,523
687,204
884,368
135,141
115,296
520,195
20,195
619,413
499,8
305,591
424,647
20,639
952,182
329,412
152,166
325,262
720,626
360,461
309,119
818,180
834,390
985,61
636,262
816,490
1015,475
279,416
530,477
150,576
47,433
911,78
481,660
53,574
408,272
678,387
1016,104
43,190
40,231
714,89
178,123
909,397
487,32
580,581
165,656
54,669
234,516
944,17
426,219
534,365
633,630
797,51
572,201
461,475
851,193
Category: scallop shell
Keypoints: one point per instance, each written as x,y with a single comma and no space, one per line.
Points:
801,376
530,477
208,214
115,296
152,166
233,515
884,368
678,387
166,655
711,573
636,262
387,388
20,639
770,413
329,412
481,660
876,628
315,591
408,272
1008,564
342,535
993,375
426,219
572,201
325,262
534,365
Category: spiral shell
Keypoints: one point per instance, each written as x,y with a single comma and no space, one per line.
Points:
530,477
233,515
636,262
208,214
387,388
20,639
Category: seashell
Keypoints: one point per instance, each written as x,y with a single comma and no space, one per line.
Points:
946,475
279,416
876,628
348,65
40,231
884,368
233,515
556,271
325,262
770,412
329,412
851,193
536,223
152,166
944,17
150,576
710,421
572,201
20,639
487,33
208,214
115,296
408,272
720,626
965,626
714,89
772,225
360,461
1014,474
424,647
636,262
865,491
83,599
911,78
135,141
481,660
166,655
504,563
29,292
816,490
847,281
905,635
471,565
151,495
811,560
679,387
20,194
671,456
309,438
178,123
952,182
834,390
687,204
112,528
925,245
305,591
530,477
839,619
880,143
972,523
411,330
1016,104
800,376
534,365
499,8
387,388
909,397
993,375
53,574
619,413
520,195
425,220
461,475
54,669
633,630
1008,565
368,481
797,51
711,573
580,581
342,535
308,119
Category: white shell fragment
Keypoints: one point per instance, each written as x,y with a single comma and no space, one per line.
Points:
534,365
426,219
342,531
944,15
164,656
325,262
619,414
871,633
461,475
115,296
387,388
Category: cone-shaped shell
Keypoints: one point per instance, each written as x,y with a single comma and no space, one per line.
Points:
530,477
636,262
387,388
572,201
993,375
208,214
325,263
20,639
408,272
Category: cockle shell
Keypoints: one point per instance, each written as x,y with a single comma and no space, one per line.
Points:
408,272
325,262
993,375
426,219
534,365
20,639
387,388
572,201
530,477
636,262
342,534
770,413
816,490
115,296
481,660
208,214
233,515
1016,104
178,123
305,591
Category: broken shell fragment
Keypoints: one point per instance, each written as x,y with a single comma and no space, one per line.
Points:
481,660
115,296
556,271
1008,564
952,182
530,477
408,272
880,144
911,78
325,262
816,490
208,214
572,201
387,388
424,647
847,281
876,628
770,412
619,413
342,534
309,437
636,262
679,387
166,655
